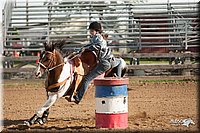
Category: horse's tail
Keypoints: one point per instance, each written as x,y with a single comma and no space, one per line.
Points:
124,67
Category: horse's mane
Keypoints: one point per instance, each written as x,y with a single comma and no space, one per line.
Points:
59,46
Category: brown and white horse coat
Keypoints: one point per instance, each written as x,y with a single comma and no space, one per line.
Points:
68,77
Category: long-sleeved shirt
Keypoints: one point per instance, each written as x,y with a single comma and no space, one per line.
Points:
99,46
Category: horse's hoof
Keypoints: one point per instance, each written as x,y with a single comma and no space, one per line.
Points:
68,99
23,127
40,121
74,100
77,102
26,123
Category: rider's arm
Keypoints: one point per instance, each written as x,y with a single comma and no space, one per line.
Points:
96,44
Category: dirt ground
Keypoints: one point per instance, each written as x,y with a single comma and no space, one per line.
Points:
154,104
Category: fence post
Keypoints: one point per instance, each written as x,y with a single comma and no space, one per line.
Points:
3,37
49,23
140,36
186,36
187,72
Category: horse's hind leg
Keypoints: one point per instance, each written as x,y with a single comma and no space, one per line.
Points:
80,71
77,84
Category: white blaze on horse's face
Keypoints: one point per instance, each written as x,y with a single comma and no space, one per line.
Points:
46,61
39,71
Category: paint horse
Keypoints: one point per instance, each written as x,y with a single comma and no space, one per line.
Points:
64,75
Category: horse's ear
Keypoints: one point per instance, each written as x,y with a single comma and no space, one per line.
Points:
62,43
49,46
45,44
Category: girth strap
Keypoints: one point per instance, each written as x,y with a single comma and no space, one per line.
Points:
57,84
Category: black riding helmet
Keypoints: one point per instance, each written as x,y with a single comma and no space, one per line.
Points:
95,26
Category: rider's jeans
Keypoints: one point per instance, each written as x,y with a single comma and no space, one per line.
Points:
101,67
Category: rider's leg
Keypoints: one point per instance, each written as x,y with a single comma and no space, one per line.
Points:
101,68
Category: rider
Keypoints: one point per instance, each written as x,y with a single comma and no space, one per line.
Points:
106,60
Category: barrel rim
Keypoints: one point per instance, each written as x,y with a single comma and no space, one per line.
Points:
111,81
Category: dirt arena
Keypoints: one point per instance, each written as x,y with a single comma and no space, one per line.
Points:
155,104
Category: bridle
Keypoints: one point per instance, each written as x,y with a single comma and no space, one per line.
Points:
52,62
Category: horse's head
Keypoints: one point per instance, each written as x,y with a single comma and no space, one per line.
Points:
49,60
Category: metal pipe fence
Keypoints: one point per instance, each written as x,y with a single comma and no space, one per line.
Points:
129,25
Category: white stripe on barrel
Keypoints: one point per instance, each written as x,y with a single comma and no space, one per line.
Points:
111,105
111,102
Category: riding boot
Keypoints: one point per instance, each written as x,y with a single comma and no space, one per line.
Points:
75,100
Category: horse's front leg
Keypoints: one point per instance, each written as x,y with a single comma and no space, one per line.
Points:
43,119
41,115
45,115
35,119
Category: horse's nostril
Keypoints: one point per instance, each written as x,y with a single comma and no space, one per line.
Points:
37,74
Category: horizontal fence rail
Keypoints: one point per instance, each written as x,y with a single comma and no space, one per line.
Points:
129,56
130,67
129,25
163,67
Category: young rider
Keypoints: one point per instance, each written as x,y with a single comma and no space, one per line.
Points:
106,59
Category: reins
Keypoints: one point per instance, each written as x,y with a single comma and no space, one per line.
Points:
68,57
50,69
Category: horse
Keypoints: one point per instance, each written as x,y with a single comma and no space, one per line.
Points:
64,75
